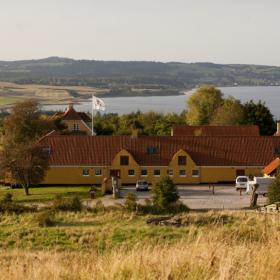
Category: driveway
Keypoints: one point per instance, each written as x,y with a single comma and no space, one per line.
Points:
199,197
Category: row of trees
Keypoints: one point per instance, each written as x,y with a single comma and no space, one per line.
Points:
206,106
209,106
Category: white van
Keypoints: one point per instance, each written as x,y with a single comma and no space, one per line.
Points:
263,184
241,182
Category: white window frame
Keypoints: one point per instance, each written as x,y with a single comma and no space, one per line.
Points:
195,176
129,174
145,174
170,169
85,175
76,127
159,173
98,175
180,175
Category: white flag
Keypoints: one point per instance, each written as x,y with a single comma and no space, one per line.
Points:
98,104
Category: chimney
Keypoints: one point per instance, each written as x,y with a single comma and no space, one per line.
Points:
134,133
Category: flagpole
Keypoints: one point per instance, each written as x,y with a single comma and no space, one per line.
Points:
92,116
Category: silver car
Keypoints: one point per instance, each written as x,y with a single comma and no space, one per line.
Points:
142,185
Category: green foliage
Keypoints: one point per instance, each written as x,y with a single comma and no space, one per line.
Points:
164,193
76,204
63,204
130,203
229,113
8,198
202,105
45,219
274,189
21,156
150,123
259,114
13,207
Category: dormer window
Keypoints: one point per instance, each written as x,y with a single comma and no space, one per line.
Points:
46,151
151,150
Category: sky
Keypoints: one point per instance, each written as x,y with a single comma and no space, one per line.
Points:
219,31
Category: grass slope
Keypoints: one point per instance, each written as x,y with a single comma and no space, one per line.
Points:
118,245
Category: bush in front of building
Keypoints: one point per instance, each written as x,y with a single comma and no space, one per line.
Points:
130,203
274,189
165,193
63,204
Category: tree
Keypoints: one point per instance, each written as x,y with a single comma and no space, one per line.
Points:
22,158
229,113
164,193
25,124
202,105
26,164
259,114
274,189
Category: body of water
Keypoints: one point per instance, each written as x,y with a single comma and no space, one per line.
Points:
123,105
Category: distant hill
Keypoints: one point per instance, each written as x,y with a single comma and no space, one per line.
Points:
137,74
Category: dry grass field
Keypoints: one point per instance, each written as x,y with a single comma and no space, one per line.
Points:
113,244
11,93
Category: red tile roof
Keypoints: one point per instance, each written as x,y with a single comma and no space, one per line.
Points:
272,166
205,151
206,130
72,114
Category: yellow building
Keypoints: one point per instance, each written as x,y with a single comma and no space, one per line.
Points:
74,122
187,160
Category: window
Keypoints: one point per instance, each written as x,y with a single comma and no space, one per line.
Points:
98,172
195,173
144,172
170,172
182,160
151,150
46,151
85,172
76,127
156,172
131,172
182,173
124,160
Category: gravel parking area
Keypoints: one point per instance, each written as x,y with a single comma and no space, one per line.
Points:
201,197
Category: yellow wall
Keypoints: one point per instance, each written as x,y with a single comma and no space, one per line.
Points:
225,174
74,175
83,126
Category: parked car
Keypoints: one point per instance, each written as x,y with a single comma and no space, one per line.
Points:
142,185
241,182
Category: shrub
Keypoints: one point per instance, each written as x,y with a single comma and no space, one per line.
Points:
45,219
13,207
76,204
99,206
63,204
130,202
164,193
274,189
8,198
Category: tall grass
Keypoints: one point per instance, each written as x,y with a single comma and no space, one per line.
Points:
213,245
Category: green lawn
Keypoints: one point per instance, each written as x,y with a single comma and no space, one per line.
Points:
42,194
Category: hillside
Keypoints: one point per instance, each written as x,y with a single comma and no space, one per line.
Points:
140,75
